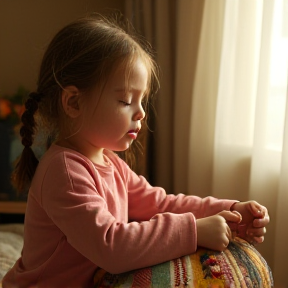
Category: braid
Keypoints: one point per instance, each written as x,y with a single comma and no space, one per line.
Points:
27,163
27,130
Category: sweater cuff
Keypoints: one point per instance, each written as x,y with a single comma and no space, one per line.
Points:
195,236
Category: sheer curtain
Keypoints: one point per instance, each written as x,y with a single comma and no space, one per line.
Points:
241,83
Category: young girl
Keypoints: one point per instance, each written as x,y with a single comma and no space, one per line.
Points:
86,208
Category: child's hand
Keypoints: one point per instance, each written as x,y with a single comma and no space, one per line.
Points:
213,231
254,219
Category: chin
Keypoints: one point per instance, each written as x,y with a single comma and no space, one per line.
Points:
121,148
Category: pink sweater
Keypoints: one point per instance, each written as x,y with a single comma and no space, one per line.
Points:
81,216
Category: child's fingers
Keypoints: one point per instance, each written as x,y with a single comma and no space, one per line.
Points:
258,240
261,222
239,216
231,216
256,232
257,210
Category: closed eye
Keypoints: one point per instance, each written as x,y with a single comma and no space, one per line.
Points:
125,103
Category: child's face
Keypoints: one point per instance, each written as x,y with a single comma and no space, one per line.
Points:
114,120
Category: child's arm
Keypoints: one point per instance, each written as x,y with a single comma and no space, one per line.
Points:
145,201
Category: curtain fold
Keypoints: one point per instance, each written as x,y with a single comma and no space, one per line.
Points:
167,145
188,49
203,107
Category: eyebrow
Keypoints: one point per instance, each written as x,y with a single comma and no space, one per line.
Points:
118,89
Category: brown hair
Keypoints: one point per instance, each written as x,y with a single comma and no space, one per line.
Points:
82,54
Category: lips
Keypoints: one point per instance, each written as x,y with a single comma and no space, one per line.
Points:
133,133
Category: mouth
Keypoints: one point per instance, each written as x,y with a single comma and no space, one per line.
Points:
133,133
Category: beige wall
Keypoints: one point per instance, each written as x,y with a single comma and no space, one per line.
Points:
26,27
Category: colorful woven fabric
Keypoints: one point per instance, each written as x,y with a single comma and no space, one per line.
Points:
239,266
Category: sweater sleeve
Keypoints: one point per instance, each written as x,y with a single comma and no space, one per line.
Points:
146,201
72,201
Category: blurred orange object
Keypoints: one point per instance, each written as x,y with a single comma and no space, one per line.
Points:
5,108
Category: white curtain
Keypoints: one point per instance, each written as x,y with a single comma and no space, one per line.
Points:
239,115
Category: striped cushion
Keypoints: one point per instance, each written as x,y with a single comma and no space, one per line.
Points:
240,265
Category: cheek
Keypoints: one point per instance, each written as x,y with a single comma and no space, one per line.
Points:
103,123
107,118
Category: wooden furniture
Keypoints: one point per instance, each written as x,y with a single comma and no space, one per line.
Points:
13,207
12,211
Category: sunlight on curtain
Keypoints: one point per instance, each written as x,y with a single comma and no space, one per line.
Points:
279,76
251,141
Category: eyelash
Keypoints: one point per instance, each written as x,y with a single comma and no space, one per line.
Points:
125,103
143,102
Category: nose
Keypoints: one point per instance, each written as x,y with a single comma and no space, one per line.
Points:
140,114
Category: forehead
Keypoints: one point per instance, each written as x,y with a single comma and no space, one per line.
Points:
129,73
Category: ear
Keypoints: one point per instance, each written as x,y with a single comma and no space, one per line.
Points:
70,101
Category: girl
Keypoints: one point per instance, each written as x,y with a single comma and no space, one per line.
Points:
86,208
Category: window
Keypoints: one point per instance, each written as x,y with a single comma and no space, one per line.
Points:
278,78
